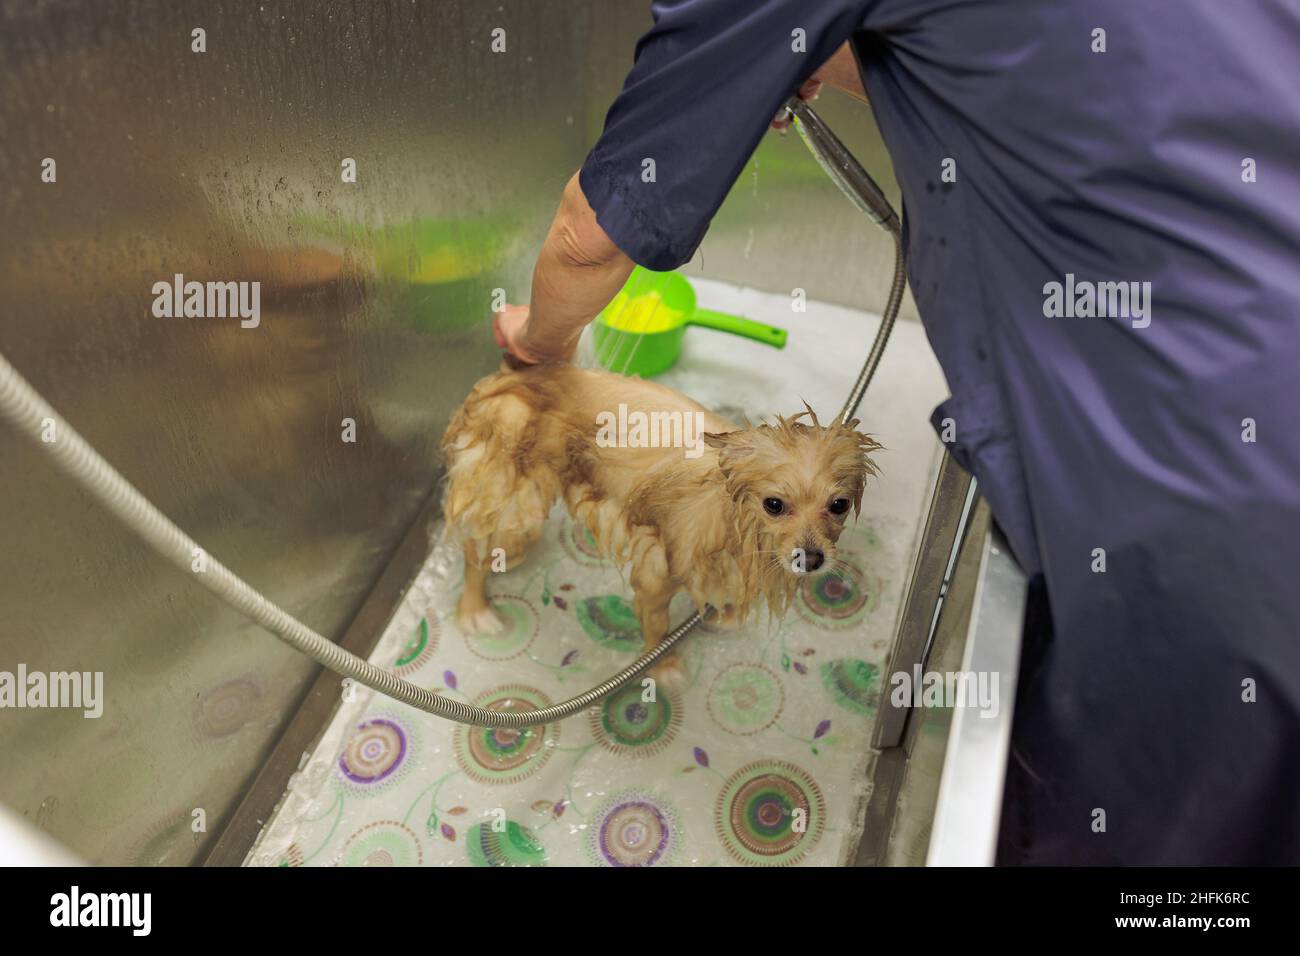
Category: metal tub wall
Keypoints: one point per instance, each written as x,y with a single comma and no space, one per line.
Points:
226,166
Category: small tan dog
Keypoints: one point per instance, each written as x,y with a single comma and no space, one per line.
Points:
730,515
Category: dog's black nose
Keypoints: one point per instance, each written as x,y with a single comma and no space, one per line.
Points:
813,558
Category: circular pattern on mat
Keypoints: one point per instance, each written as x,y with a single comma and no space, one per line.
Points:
293,856
382,843
770,813
745,699
580,545
521,626
630,726
505,754
225,708
838,601
516,846
419,649
610,621
852,684
634,829
374,757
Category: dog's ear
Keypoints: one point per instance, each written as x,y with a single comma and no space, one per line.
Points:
863,444
853,462
731,446
739,442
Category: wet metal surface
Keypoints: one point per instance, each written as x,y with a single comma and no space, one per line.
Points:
226,166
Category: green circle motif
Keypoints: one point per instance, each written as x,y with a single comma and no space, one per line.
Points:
418,642
610,622
852,684
745,699
770,813
626,724
516,846
838,601
521,625
419,649
382,843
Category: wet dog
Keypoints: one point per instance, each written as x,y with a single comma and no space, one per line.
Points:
686,500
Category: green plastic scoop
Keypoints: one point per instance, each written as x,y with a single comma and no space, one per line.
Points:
641,331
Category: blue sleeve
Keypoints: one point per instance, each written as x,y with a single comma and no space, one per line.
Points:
708,78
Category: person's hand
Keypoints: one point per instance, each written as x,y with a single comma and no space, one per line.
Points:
840,71
811,89
510,329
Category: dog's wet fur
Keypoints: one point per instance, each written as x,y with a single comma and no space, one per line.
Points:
708,525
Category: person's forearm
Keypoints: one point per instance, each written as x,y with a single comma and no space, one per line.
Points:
841,72
578,271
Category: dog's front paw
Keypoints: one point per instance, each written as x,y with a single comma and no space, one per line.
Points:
729,617
670,674
482,621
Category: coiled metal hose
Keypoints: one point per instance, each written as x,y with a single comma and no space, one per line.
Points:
24,408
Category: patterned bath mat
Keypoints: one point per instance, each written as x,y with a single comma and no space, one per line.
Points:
760,761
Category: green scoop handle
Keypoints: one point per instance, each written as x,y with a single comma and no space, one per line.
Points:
767,334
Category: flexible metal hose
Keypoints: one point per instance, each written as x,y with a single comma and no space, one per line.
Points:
24,408
30,414
892,305
856,183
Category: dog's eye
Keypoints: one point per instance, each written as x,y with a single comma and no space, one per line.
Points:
839,506
773,506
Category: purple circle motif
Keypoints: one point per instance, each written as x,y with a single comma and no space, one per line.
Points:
634,833
374,752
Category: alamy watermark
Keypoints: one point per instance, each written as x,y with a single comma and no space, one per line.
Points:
130,910
1109,300
976,690
209,300
638,429
82,690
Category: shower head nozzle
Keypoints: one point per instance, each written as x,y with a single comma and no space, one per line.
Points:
842,166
